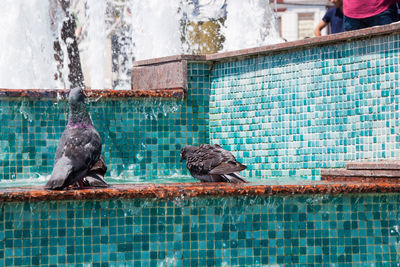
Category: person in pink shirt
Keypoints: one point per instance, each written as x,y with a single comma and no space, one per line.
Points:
359,14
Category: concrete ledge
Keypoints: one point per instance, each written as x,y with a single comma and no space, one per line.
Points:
171,191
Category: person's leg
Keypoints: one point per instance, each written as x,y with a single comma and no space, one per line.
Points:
388,16
351,24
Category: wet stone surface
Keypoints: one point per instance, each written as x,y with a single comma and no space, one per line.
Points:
170,191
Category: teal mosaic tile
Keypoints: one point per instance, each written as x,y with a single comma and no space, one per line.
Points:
347,230
293,113
287,114
141,138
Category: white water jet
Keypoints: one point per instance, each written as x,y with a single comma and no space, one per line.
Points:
249,24
27,37
115,33
96,43
156,28
203,10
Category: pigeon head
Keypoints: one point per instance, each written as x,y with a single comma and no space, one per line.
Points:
78,114
76,96
187,150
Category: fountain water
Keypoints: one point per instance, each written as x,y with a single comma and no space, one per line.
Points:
27,35
249,25
96,49
111,34
261,105
156,28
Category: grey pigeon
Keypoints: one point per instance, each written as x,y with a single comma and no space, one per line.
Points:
212,163
79,149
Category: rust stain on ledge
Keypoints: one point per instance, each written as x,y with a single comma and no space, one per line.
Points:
177,93
170,191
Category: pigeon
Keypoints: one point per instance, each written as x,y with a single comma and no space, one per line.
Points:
79,149
95,177
212,163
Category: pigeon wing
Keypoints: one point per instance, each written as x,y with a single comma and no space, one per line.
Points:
202,160
77,151
224,162
228,167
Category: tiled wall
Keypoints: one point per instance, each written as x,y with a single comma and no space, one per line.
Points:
289,113
319,230
292,113
141,138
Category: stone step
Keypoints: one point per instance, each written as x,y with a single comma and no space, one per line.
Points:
355,175
378,165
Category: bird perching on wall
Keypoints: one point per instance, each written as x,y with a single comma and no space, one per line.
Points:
212,163
78,157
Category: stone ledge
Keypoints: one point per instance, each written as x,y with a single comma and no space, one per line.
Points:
309,42
373,176
161,60
378,165
171,191
177,93
172,74
361,173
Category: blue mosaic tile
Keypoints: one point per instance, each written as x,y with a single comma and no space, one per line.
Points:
353,230
293,113
349,229
286,114
141,138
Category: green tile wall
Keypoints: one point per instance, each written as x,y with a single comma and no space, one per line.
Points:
319,230
293,113
141,138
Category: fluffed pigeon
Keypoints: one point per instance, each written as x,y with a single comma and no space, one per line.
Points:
212,163
79,149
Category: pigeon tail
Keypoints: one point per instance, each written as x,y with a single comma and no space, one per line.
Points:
55,184
234,178
60,181
61,170
62,177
